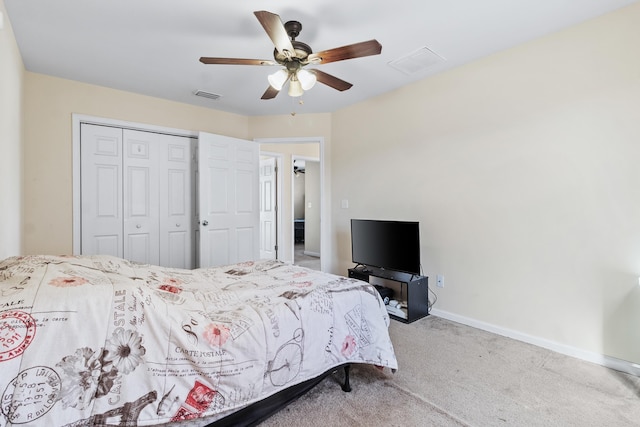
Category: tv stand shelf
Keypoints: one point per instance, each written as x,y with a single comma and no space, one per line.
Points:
414,290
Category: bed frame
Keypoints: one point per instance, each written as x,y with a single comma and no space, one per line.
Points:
256,413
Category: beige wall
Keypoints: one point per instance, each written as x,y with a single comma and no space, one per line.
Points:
313,203
298,196
49,105
11,84
522,169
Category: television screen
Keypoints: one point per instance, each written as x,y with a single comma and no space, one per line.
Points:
391,245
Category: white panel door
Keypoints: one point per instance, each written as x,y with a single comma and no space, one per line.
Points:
141,197
101,190
229,210
268,217
177,200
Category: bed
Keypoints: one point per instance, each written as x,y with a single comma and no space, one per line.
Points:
98,340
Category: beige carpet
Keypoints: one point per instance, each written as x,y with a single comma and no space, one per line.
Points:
455,375
303,260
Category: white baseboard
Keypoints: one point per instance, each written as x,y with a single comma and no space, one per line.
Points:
599,359
309,253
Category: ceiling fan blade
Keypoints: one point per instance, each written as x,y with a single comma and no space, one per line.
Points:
272,24
270,93
356,50
331,81
236,61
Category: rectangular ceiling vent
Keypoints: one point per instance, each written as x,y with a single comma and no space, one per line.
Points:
418,60
206,94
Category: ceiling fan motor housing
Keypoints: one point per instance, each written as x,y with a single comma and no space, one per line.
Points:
300,53
293,28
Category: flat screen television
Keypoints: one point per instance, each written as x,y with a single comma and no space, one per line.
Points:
390,245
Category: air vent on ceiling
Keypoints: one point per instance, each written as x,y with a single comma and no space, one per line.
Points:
418,60
206,94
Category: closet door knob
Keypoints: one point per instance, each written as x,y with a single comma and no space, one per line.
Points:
205,222
178,225
138,226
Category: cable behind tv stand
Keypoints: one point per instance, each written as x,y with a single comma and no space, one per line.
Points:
414,290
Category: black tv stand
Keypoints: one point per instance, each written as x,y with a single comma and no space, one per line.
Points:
361,268
414,290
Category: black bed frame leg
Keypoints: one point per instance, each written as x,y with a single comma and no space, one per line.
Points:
346,386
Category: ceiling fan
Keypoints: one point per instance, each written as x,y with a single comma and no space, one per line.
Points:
294,55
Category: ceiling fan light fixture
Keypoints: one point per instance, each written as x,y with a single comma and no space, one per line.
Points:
278,79
293,55
307,79
295,88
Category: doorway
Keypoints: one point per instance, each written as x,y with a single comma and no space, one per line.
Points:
306,211
288,149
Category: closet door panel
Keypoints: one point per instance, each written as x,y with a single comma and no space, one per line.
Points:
107,245
174,251
138,247
141,197
101,190
177,201
107,195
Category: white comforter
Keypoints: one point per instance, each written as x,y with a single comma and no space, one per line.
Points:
99,340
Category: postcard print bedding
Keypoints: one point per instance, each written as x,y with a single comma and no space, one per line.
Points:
97,340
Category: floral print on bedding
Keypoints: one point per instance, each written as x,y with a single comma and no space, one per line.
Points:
93,340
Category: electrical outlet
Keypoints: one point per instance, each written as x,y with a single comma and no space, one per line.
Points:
440,281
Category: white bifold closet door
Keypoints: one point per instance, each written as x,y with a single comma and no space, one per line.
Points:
137,195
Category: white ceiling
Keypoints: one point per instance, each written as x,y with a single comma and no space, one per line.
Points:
153,47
